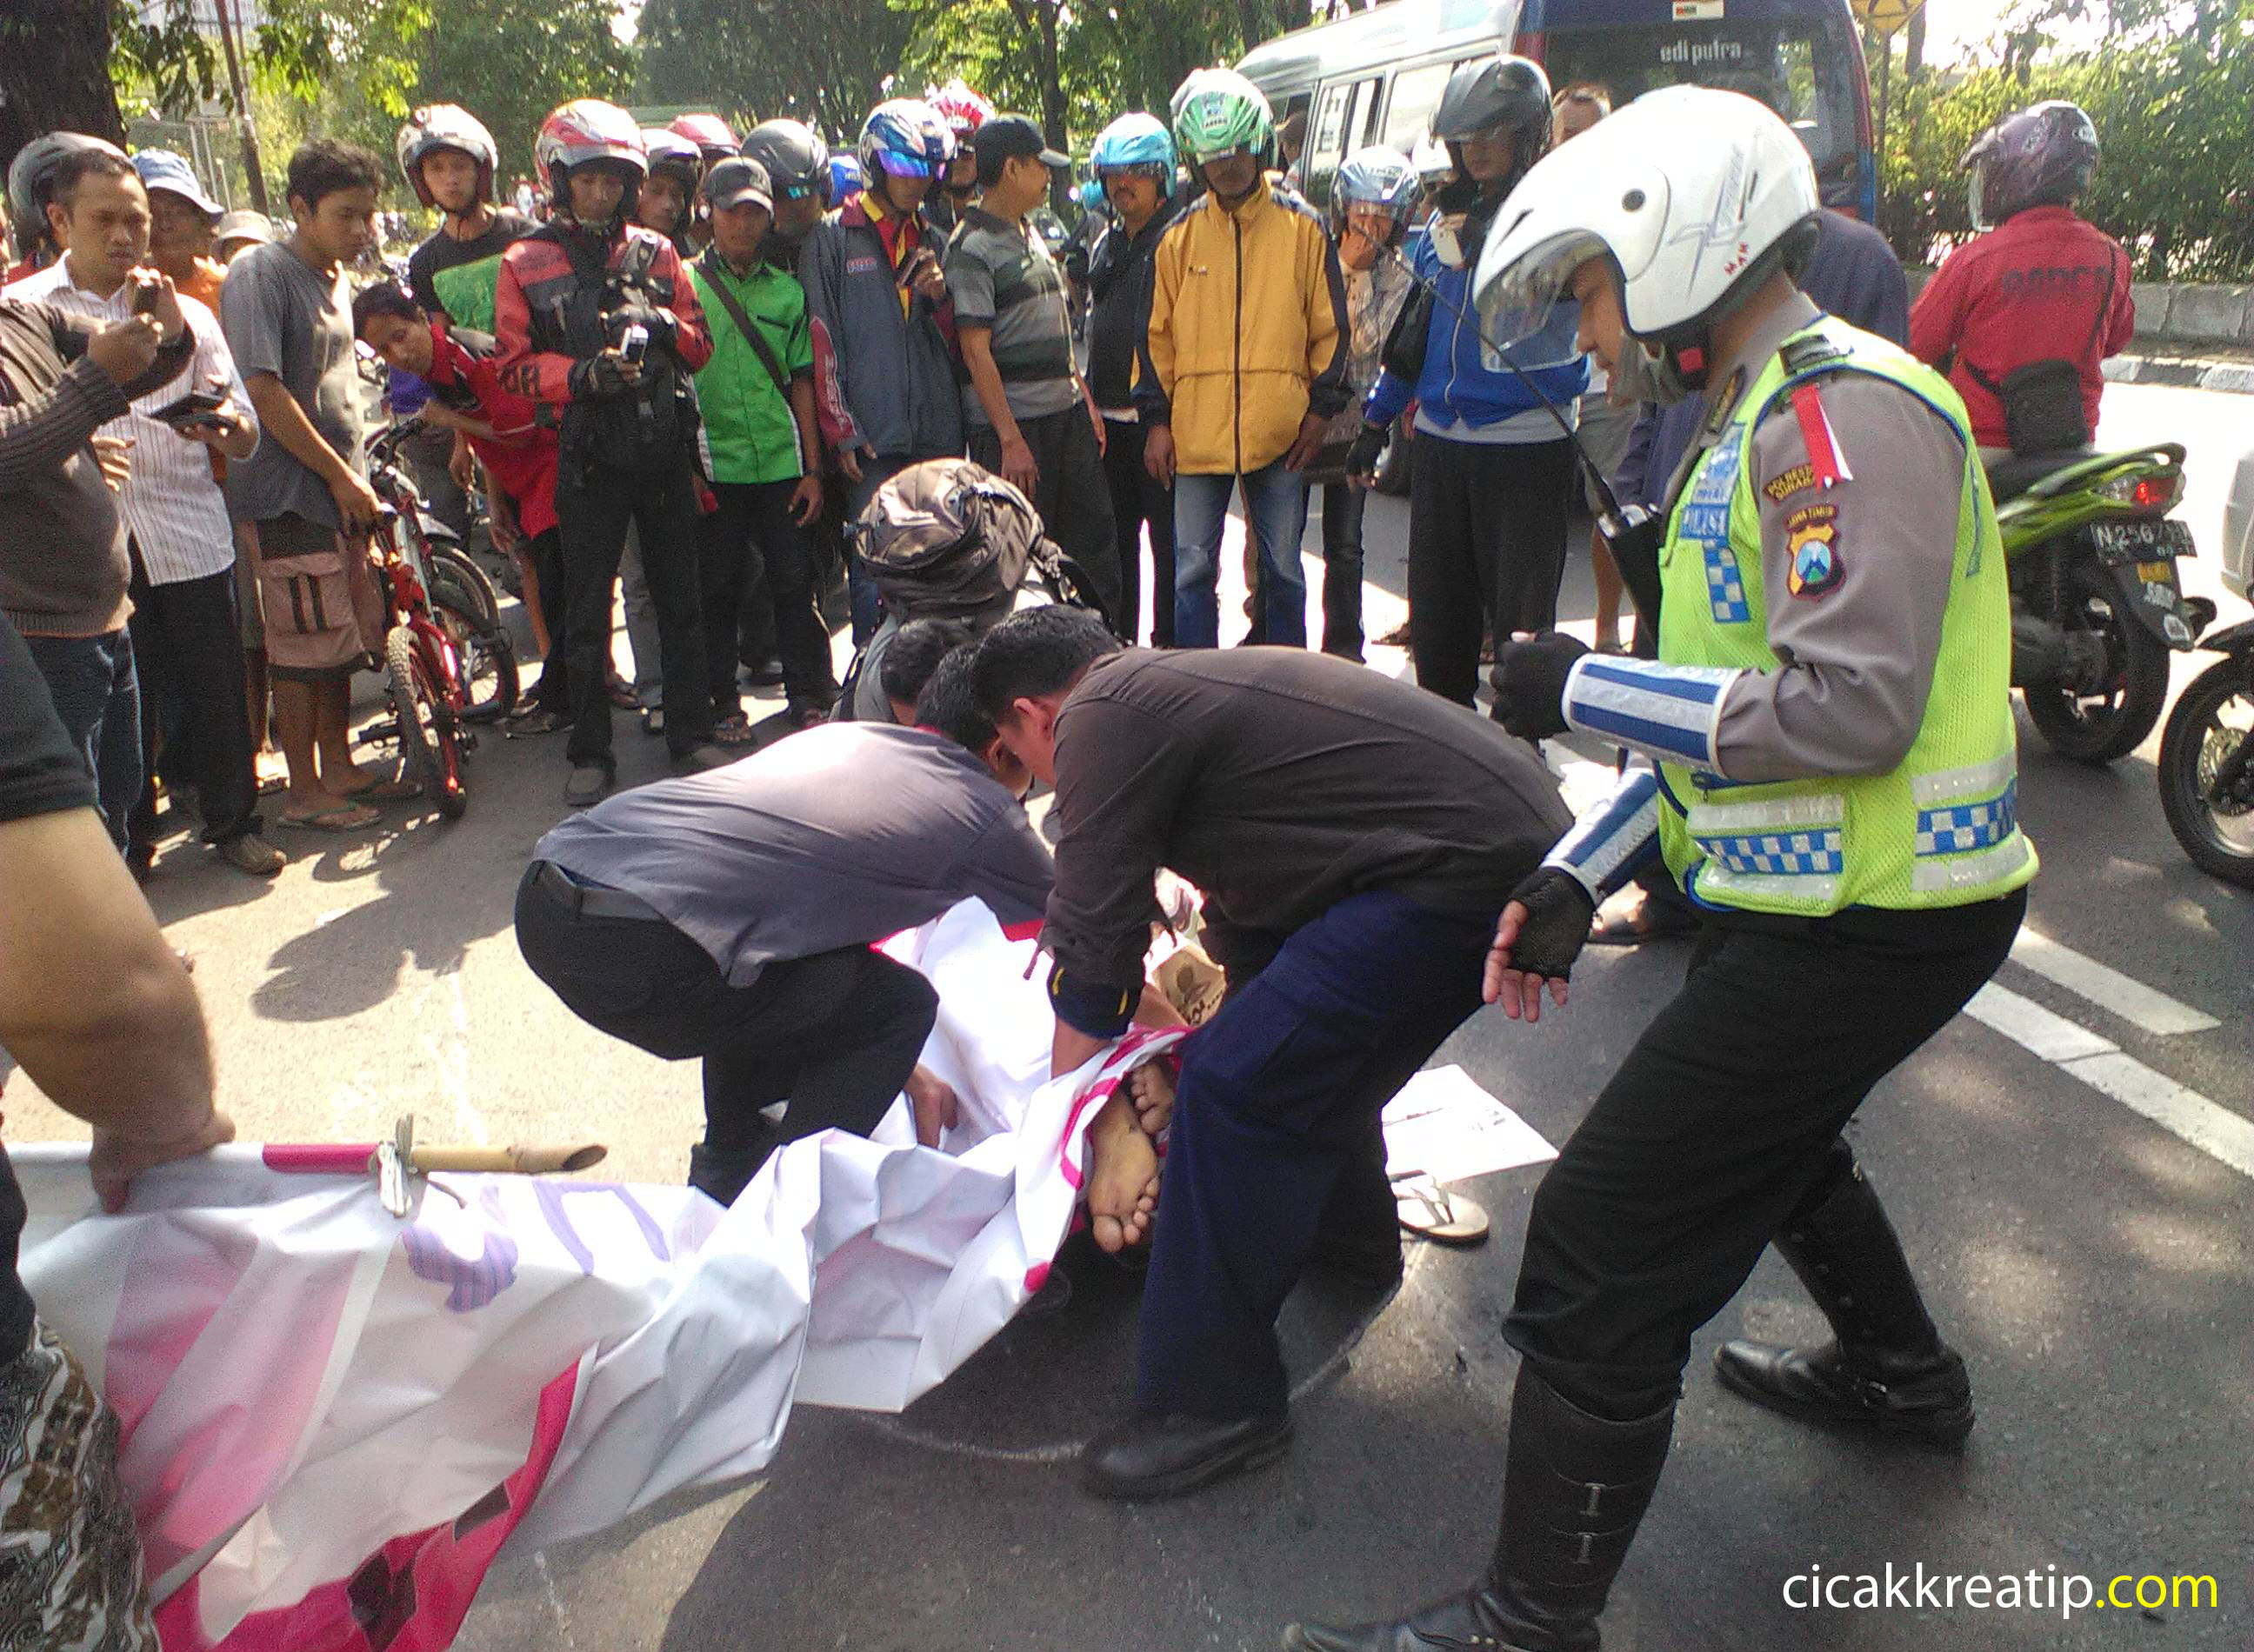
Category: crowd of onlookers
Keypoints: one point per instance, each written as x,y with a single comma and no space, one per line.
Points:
683,362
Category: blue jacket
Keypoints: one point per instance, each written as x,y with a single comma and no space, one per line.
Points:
1456,385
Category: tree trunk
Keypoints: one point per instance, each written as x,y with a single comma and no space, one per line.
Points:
55,72
1913,48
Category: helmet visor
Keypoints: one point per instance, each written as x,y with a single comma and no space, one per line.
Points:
1517,300
900,166
1977,195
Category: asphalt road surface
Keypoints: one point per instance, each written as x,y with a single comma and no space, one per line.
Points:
2070,1167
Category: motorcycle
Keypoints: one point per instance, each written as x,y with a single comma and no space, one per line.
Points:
2096,604
2207,751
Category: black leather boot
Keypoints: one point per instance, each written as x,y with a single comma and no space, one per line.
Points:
1887,1369
1573,1493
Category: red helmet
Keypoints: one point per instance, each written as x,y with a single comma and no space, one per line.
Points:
583,132
708,132
2042,156
964,110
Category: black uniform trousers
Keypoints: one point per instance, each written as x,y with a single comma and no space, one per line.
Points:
553,691
1716,1124
1139,498
187,642
1486,549
1277,1149
1072,495
593,505
752,539
835,1034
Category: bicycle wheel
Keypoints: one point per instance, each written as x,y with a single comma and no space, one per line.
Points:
428,748
460,583
489,675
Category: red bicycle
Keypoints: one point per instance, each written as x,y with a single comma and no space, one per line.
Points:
448,661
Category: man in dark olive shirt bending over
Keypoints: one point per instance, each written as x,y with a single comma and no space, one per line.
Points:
1356,840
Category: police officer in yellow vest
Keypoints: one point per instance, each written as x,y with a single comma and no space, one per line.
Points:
1834,785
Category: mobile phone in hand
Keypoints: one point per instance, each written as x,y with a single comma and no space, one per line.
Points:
197,406
634,345
145,294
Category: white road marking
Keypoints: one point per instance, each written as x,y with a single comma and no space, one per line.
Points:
2098,1062
2025,1022
2108,988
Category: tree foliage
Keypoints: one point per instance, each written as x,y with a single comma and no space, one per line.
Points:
826,66
2175,114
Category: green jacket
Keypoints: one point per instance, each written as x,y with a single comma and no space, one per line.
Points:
748,433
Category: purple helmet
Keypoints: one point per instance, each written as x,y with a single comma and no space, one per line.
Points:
2042,156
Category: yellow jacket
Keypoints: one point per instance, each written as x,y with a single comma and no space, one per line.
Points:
1247,332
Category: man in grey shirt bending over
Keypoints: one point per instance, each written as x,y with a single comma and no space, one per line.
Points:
729,915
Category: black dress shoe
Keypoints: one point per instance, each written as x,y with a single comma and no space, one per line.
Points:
1169,1456
1927,1398
1462,1623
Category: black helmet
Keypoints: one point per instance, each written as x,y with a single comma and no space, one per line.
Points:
2040,157
1502,91
31,177
796,158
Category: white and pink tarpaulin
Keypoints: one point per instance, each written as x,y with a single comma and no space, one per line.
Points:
333,1418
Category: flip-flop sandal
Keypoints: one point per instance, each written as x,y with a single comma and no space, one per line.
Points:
622,694
1651,924
1430,1211
534,720
346,817
736,730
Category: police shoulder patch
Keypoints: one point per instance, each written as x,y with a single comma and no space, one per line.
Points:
1812,547
1783,486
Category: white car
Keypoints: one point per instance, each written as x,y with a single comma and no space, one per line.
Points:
2238,529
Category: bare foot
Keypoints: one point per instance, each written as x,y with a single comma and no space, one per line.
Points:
934,1102
1123,1183
1152,1087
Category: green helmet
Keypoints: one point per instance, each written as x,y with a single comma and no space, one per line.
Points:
1217,111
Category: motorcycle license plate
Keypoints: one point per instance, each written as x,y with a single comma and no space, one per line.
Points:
2140,542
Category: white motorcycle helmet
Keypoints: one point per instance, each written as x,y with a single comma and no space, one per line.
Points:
1695,196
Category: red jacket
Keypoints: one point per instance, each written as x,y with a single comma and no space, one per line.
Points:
536,274
521,456
2045,283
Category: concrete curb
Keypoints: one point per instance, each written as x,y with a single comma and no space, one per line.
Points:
2233,377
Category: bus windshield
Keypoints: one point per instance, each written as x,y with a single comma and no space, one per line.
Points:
1783,63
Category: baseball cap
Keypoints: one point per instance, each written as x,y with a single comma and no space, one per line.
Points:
244,225
1004,136
736,180
162,169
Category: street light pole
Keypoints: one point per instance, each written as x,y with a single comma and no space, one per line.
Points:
251,163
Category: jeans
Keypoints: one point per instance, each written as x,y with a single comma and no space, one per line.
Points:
1486,549
1072,496
1276,1146
593,507
642,640
753,533
1343,504
1727,1110
1139,497
868,606
192,704
1276,512
98,697
835,1035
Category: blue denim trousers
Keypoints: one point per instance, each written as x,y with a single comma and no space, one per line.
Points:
1276,512
97,694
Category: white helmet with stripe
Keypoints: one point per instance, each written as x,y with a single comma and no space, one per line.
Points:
1694,197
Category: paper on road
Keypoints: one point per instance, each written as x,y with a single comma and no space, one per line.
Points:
1446,1125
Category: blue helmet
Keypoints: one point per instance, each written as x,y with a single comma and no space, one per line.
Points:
844,177
1376,177
1134,142
907,137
